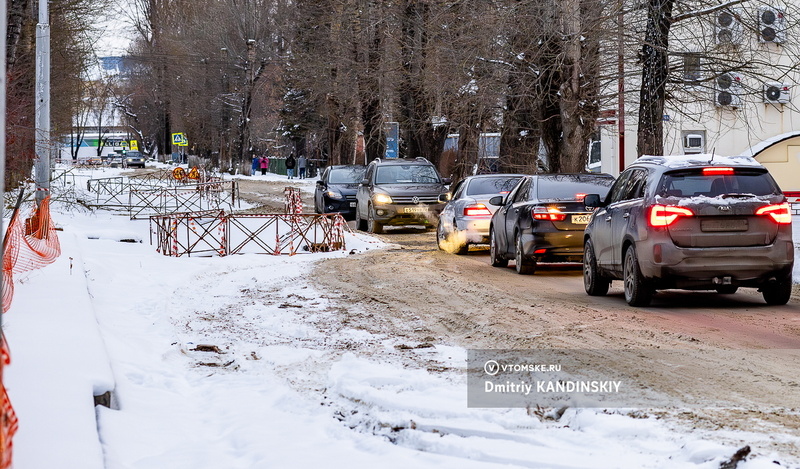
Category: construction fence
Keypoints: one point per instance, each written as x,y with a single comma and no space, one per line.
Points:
30,244
217,233
145,197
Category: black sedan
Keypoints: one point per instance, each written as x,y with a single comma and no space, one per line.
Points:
336,190
542,219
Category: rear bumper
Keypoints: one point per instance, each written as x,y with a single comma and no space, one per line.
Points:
476,230
556,244
706,267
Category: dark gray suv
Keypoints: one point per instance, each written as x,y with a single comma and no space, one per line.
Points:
398,192
700,222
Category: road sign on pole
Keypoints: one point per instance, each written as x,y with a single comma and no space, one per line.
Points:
392,140
180,139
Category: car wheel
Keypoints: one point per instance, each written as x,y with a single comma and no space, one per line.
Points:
727,289
360,223
525,266
593,282
494,254
778,293
372,225
637,292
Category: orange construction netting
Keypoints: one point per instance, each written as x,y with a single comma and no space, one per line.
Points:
30,244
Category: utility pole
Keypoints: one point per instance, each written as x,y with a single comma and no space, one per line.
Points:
3,27
42,104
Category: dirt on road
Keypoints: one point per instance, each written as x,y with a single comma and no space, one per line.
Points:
737,357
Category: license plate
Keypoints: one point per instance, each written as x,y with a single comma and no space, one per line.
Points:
581,219
415,210
724,225
352,205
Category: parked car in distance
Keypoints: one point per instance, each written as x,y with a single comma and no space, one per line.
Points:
336,190
699,222
133,159
465,219
542,220
400,192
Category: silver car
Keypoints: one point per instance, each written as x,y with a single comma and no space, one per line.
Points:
465,219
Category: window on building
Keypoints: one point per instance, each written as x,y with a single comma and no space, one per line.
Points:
691,68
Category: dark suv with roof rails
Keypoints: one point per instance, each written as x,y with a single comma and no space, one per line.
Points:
696,222
400,192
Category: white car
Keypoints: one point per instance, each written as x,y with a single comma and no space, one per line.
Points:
465,219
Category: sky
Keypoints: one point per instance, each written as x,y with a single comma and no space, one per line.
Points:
288,385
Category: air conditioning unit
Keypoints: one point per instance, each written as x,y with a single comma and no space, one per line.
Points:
728,90
694,143
771,25
727,28
777,93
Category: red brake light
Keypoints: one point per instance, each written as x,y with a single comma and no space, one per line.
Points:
780,213
717,171
548,213
580,197
476,210
665,215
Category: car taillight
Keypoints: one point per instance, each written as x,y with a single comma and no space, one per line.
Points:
780,213
665,215
477,210
548,213
717,171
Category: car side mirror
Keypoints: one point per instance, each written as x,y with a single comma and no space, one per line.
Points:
321,183
447,181
444,198
365,182
592,201
497,200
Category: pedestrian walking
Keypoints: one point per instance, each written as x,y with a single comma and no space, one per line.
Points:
264,163
255,166
290,163
301,166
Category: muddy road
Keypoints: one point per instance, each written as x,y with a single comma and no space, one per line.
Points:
735,354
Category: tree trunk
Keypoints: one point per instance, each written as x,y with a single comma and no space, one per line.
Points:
655,71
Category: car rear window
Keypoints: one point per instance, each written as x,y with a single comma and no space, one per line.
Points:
572,186
406,173
346,175
691,183
494,185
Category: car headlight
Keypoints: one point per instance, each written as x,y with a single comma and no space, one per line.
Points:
333,195
382,199
444,198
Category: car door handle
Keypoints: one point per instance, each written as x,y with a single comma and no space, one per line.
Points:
626,215
608,218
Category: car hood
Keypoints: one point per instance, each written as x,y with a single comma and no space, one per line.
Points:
410,190
344,189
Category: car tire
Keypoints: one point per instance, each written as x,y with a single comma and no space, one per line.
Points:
372,225
637,291
777,294
727,289
525,266
594,283
360,223
494,254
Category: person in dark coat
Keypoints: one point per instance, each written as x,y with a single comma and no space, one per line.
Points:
290,163
256,165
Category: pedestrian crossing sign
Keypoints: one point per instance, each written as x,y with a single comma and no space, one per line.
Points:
180,139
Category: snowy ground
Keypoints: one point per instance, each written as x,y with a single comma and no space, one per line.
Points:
277,380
